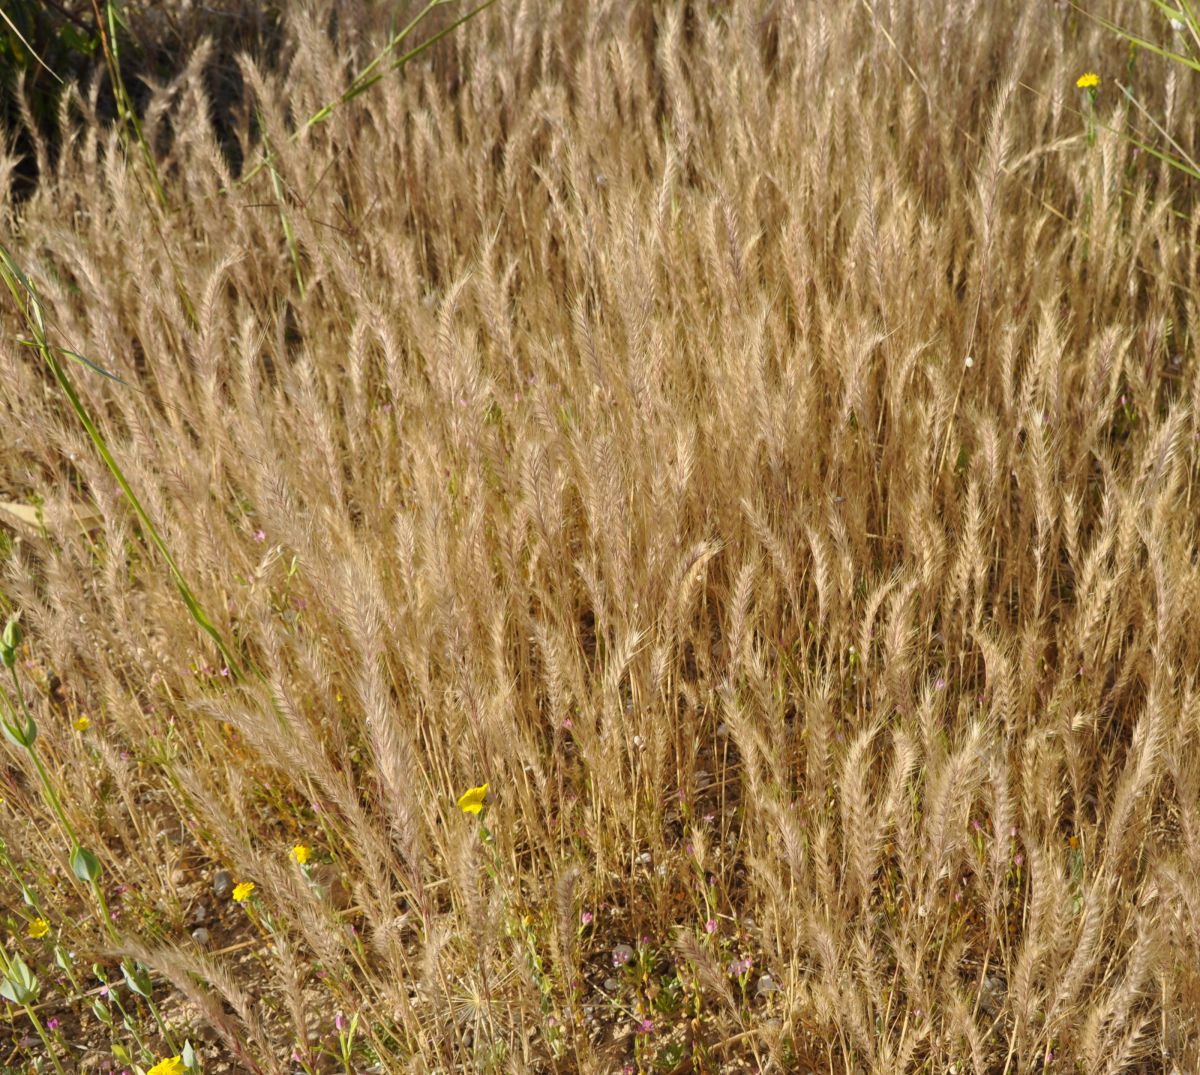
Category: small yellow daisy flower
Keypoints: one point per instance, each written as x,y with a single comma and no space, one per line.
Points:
471,801
242,890
39,927
1088,81
301,854
173,1065
83,723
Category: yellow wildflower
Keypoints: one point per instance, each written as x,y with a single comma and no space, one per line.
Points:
471,801
39,927
83,723
242,890
173,1065
301,854
1088,81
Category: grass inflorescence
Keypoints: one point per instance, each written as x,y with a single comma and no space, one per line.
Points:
658,538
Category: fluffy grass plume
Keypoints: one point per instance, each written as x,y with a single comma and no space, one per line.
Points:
702,505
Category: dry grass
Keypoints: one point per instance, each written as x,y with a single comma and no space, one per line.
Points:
612,439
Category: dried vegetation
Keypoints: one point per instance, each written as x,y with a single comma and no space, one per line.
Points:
758,440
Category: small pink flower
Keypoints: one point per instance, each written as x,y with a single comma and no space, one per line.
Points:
260,536
646,1026
710,926
586,918
1018,859
52,1023
339,1022
939,684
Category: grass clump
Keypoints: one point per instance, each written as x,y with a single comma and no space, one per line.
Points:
689,524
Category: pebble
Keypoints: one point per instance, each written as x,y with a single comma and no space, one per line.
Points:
222,884
766,984
611,984
178,877
991,994
200,936
199,914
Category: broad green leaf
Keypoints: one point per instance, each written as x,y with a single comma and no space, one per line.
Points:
85,865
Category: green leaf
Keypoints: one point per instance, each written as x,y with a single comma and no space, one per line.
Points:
85,865
21,737
20,984
189,1058
1167,10
76,40
13,634
138,978
1141,42
101,1012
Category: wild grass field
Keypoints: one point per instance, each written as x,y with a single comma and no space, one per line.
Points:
754,445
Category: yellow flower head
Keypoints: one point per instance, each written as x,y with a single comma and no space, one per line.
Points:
1088,81
83,723
301,854
39,927
173,1065
242,890
471,801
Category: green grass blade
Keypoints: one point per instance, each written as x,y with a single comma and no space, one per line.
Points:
30,307
1141,42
